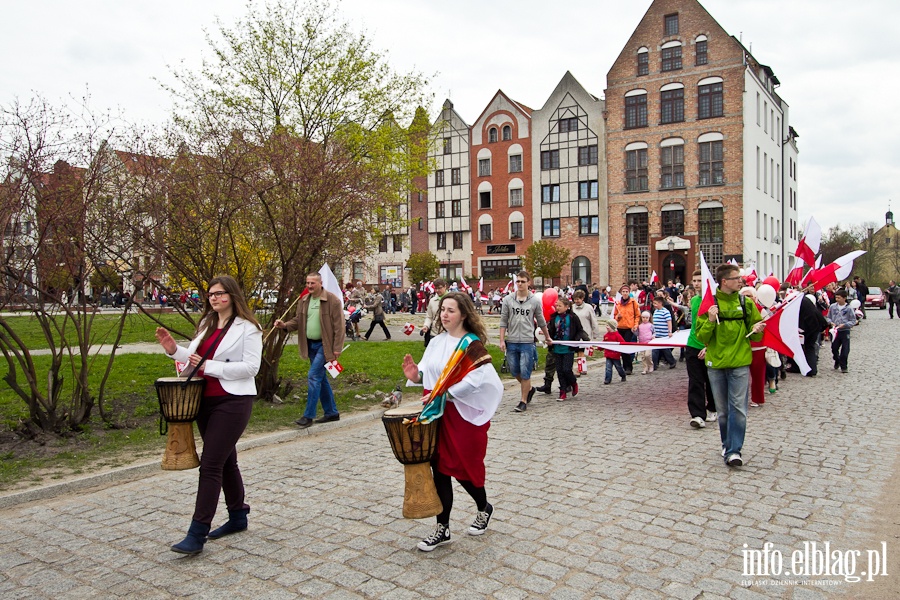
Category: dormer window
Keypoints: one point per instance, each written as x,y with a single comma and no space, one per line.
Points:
700,55
507,133
643,62
671,56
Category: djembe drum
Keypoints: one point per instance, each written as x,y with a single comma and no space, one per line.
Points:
414,445
179,403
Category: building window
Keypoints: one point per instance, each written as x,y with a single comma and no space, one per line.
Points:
516,230
359,272
671,172
420,223
515,163
507,133
382,244
454,176
711,230
448,145
588,190
671,106
712,165
636,171
456,208
636,111
672,222
439,210
439,178
549,159
492,134
484,167
457,240
588,225
500,269
587,155
484,200
709,101
550,227
484,232
567,125
515,197
671,58
549,193
420,196
700,53
398,243
636,229
671,25
643,63
442,241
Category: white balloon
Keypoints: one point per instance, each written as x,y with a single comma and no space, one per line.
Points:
766,295
854,304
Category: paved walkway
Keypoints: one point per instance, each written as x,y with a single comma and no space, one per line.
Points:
610,495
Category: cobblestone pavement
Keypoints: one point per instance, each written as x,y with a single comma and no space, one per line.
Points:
609,495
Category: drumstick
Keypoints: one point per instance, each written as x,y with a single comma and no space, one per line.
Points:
282,318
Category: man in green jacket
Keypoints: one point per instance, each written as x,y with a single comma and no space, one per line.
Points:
726,330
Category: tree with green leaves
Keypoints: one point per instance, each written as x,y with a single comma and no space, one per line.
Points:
298,125
545,259
423,266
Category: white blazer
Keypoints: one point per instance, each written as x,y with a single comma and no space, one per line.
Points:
235,362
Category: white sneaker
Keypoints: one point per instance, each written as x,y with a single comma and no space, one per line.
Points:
734,460
754,404
482,519
711,416
698,423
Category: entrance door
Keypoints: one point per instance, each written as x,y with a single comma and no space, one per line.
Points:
675,268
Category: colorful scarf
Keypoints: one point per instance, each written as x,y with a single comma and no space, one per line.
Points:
469,354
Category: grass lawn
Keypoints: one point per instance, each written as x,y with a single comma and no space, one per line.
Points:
371,370
138,328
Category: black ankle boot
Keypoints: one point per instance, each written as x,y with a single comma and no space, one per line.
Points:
193,543
237,521
544,389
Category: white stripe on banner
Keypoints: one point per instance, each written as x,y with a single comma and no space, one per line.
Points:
678,340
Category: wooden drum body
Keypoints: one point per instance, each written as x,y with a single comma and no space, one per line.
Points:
414,446
179,404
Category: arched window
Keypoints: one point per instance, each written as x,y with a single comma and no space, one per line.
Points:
581,269
671,103
671,163
635,109
507,133
492,134
643,61
485,228
700,52
671,56
710,98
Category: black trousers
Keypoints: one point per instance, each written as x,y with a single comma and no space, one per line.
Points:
564,363
384,328
444,487
627,359
700,398
891,304
840,348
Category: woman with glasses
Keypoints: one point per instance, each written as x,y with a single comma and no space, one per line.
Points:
230,338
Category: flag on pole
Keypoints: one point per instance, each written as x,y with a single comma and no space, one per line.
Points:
511,286
836,271
782,332
462,283
329,281
707,289
654,278
481,284
808,246
795,276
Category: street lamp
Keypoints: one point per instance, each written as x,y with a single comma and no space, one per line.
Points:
448,266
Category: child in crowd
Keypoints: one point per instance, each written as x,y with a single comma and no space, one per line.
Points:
842,318
613,358
564,325
645,334
662,328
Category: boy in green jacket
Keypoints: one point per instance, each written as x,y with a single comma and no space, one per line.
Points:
726,330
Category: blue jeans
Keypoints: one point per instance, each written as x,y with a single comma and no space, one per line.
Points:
666,353
317,381
610,363
729,388
520,358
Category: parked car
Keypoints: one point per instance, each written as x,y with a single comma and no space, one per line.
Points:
875,298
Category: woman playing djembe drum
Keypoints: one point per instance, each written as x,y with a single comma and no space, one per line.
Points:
231,338
467,391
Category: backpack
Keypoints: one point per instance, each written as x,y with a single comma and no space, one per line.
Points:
743,301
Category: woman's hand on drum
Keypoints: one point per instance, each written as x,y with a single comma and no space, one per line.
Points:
166,340
411,369
194,360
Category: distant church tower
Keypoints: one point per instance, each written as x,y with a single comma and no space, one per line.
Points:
889,217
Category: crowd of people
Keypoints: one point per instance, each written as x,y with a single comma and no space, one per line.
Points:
729,367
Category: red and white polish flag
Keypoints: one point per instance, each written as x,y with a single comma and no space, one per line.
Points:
409,328
334,368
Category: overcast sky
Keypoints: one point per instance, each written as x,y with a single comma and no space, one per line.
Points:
838,63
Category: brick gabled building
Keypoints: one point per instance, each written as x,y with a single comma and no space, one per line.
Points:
696,143
569,199
501,169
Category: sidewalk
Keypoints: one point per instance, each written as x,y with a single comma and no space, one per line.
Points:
609,495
